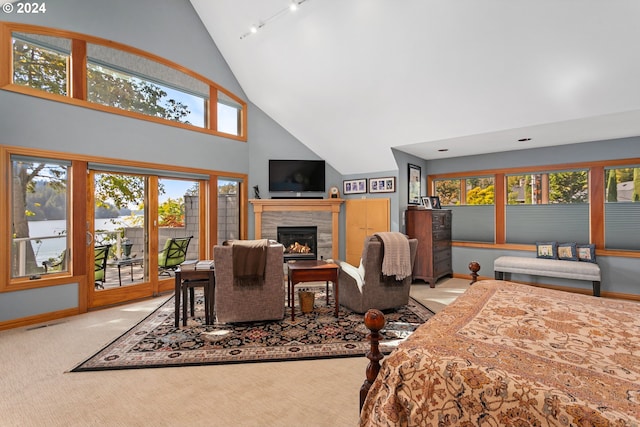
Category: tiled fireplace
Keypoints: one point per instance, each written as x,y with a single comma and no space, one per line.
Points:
321,213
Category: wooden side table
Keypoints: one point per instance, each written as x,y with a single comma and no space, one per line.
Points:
188,279
311,271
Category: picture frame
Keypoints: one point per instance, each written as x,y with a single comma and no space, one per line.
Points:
415,177
354,186
435,202
385,184
426,202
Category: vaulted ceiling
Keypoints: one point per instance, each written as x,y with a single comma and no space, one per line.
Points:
352,78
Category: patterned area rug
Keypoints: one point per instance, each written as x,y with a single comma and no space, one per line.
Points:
155,342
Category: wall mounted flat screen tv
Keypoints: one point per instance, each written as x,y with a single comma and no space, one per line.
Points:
296,175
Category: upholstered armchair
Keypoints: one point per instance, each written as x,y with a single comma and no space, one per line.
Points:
238,299
365,287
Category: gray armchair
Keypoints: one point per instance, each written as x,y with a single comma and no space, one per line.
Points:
247,301
365,287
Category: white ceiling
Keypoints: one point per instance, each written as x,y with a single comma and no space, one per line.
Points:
352,78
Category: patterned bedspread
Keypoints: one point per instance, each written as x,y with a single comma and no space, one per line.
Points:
515,355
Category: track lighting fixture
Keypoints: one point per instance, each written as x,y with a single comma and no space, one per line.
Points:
293,6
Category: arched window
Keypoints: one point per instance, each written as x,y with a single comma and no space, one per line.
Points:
112,77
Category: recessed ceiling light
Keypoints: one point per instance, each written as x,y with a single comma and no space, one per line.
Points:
442,150
524,139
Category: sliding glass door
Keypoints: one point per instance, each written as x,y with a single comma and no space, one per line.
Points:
178,220
118,236
148,224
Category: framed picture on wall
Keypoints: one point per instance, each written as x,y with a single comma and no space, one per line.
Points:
382,185
354,186
414,184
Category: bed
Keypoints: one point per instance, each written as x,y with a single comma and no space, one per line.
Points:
510,354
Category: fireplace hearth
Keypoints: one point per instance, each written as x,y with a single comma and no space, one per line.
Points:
300,242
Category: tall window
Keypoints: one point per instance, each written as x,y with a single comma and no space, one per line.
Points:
471,201
480,191
39,206
548,188
228,210
547,206
133,83
448,190
622,208
41,62
229,115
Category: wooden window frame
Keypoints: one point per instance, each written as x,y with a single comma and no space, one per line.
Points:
596,190
78,79
77,182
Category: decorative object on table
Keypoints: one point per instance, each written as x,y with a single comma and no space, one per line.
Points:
334,192
354,186
415,178
426,202
256,192
474,266
435,202
155,342
307,300
382,185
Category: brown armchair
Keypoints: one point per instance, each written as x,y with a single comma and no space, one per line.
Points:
365,287
238,300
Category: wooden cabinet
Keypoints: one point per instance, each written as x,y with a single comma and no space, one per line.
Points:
363,217
432,228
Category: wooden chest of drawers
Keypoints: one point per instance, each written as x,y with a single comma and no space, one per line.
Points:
432,228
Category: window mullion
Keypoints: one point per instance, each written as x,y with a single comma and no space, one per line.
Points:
5,56
213,108
596,205
78,78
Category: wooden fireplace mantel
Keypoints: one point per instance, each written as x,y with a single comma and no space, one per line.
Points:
289,205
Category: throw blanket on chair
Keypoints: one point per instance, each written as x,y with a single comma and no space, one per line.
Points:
396,260
249,260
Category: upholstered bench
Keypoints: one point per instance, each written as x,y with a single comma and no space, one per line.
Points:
550,268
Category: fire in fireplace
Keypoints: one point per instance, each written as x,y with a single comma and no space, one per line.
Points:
300,242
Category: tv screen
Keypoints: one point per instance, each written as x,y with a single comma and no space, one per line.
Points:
296,175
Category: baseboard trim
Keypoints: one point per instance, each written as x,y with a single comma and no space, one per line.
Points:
38,318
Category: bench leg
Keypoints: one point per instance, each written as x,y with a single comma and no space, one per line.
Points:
499,275
596,288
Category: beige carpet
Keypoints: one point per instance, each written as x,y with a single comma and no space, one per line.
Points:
445,292
37,390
